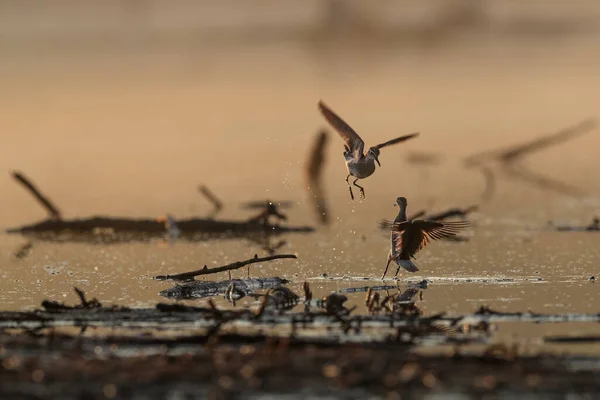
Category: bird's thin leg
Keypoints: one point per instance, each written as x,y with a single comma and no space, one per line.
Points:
362,190
350,187
386,267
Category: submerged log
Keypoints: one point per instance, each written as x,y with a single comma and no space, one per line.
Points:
200,289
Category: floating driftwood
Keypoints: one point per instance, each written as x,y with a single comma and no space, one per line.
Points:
332,323
109,229
233,289
200,289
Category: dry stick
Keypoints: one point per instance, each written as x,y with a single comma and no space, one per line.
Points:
81,296
230,267
46,203
212,198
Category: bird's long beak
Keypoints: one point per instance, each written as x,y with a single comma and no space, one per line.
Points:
377,159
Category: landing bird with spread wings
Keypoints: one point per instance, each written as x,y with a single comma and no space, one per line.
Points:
360,165
410,236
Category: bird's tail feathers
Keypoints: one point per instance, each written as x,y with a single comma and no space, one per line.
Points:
408,265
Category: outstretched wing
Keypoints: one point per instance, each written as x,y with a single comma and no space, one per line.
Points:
386,224
397,140
398,231
414,235
353,141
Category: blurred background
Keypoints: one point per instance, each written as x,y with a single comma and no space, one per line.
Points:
124,106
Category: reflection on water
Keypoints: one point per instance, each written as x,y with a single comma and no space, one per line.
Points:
134,134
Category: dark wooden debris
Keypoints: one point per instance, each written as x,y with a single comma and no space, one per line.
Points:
201,289
213,199
270,210
572,339
279,298
110,230
100,229
52,210
260,204
84,304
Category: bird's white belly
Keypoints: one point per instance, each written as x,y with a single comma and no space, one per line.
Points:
360,170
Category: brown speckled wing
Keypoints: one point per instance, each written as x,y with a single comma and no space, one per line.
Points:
352,139
416,234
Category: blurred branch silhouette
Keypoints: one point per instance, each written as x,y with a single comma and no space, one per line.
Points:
217,204
52,210
509,161
314,172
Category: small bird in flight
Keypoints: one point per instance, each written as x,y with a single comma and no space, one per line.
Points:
360,165
410,236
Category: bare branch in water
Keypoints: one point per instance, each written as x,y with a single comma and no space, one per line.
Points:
186,276
314,172
43,200
214,200
24,250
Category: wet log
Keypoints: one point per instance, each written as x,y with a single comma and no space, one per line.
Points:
108,229
200,289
